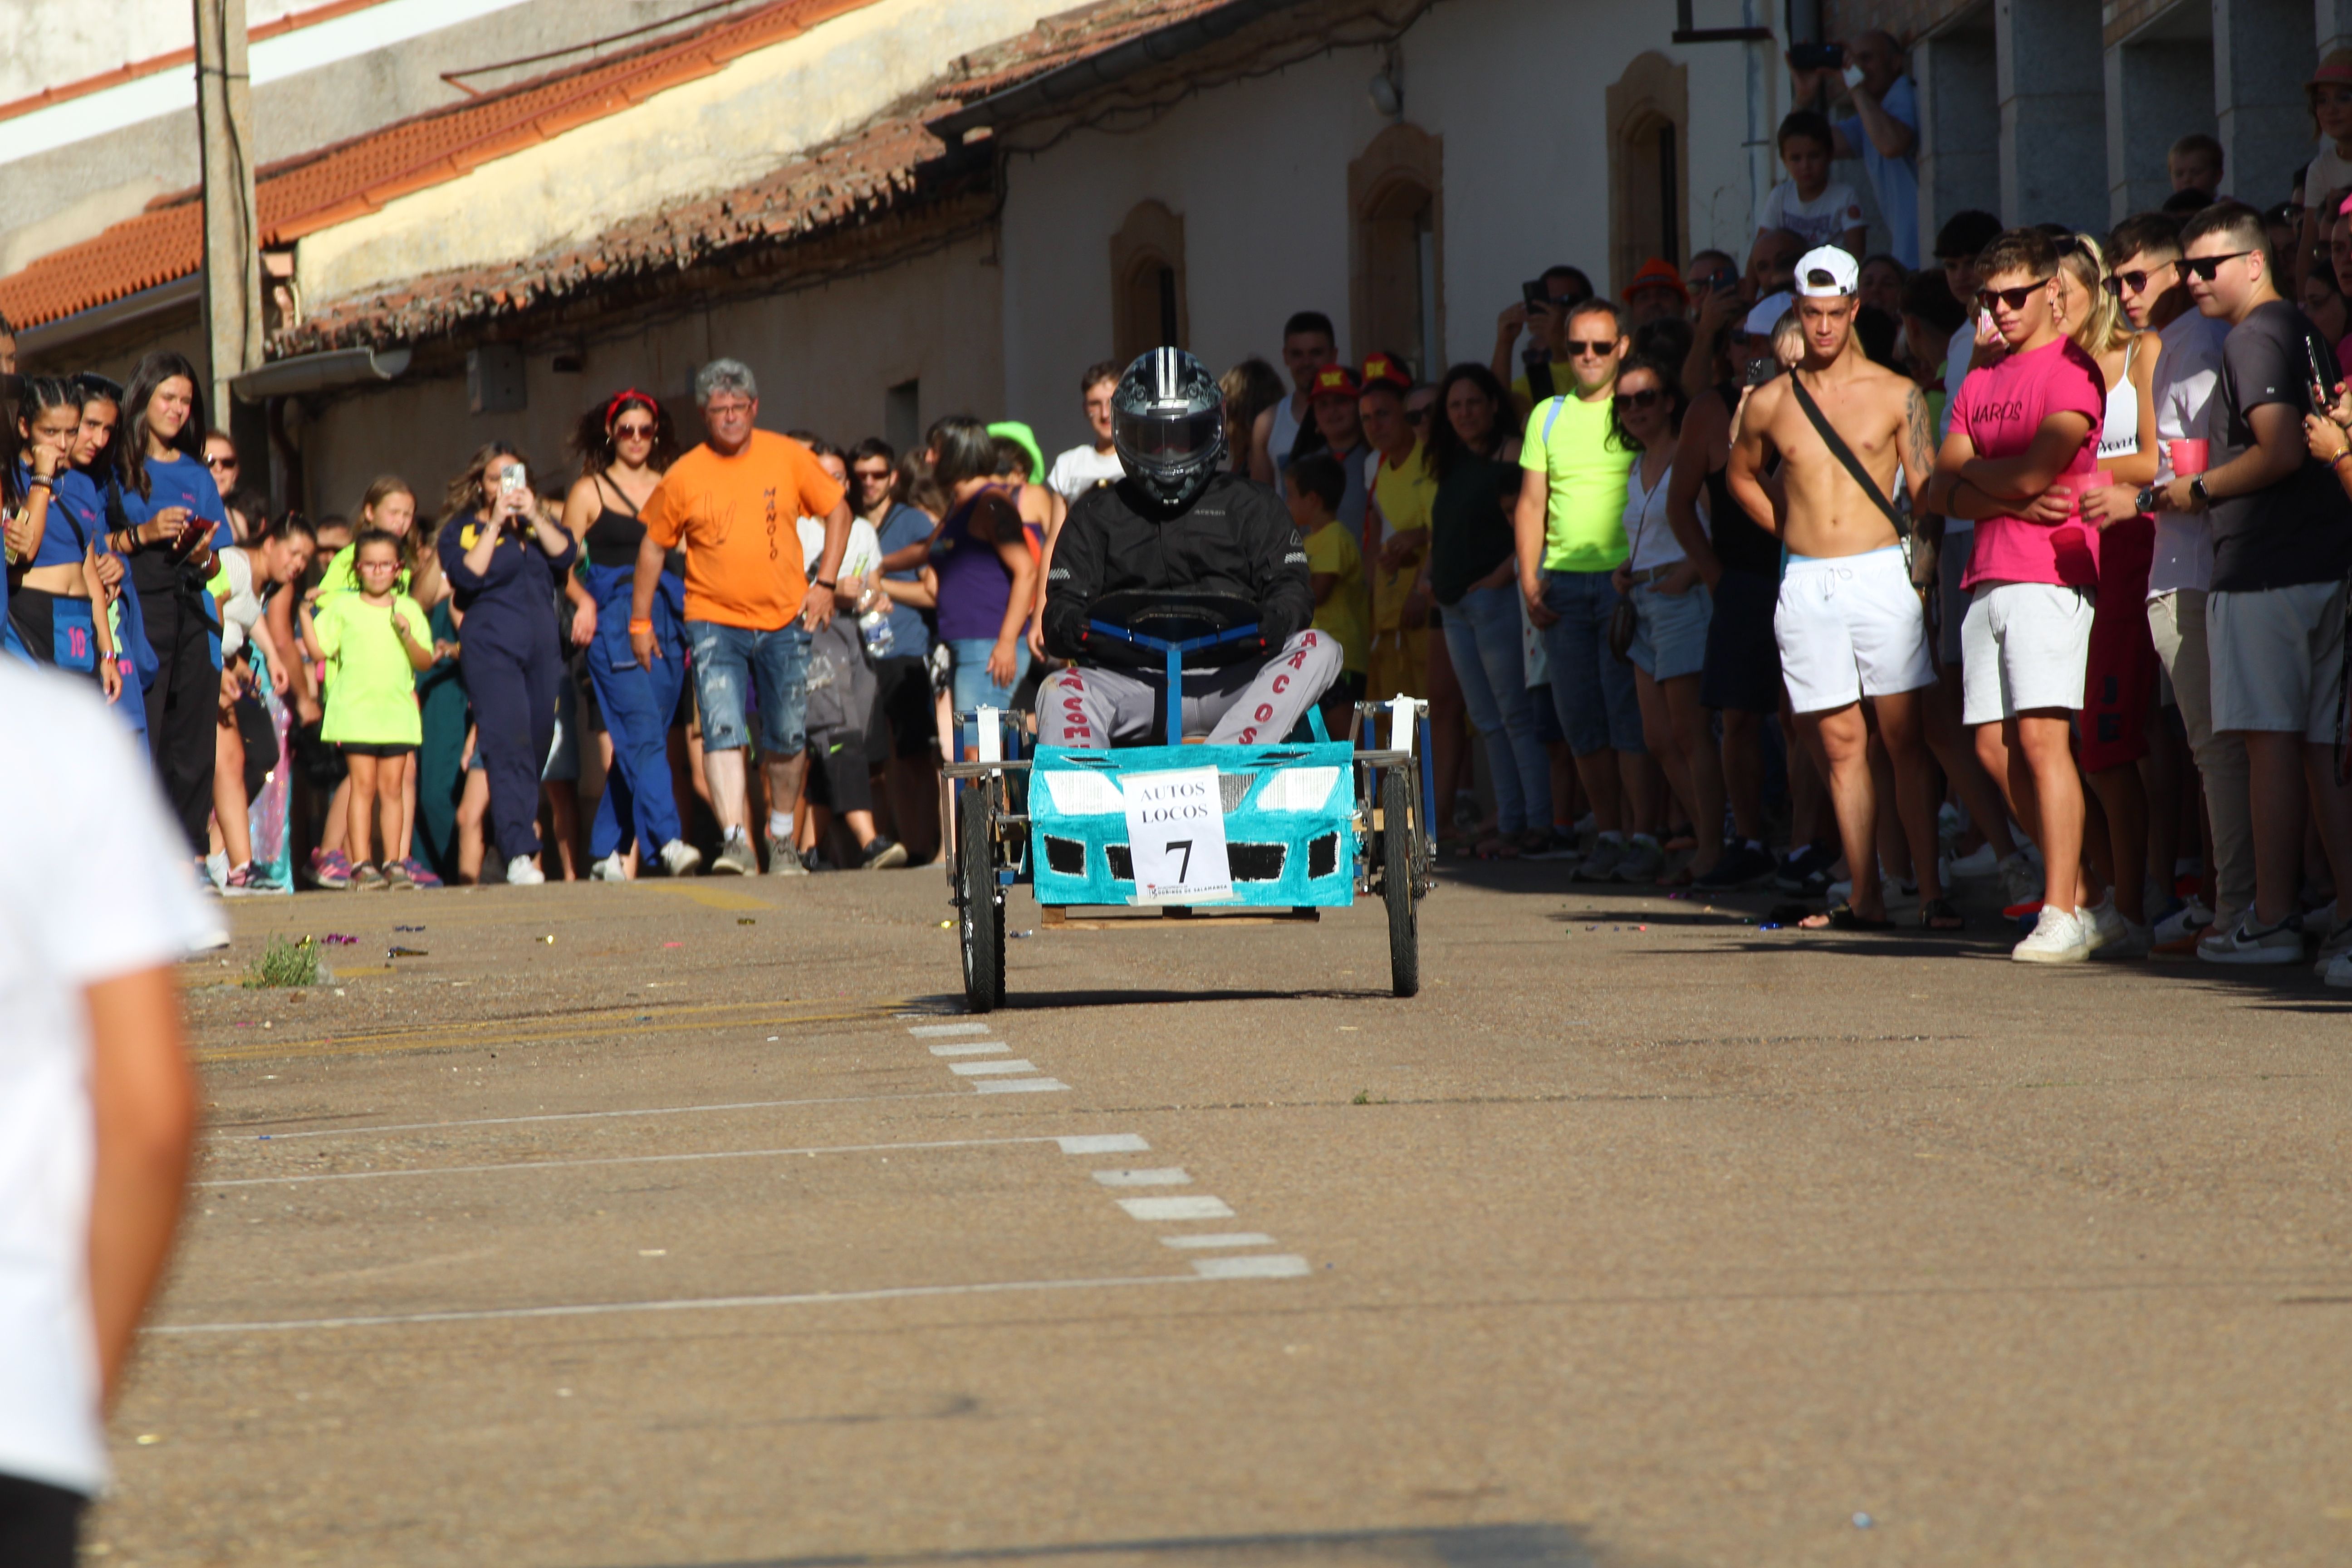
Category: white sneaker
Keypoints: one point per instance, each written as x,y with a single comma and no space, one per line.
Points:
680,858
1981,862
2020,879
2105,927
2338,971
613,868
2058,938
2250,942
2180,932
2136,942
522,871
212,940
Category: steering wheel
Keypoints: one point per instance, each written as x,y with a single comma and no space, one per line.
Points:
1171,617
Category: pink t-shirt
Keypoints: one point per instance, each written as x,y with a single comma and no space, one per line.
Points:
2001,406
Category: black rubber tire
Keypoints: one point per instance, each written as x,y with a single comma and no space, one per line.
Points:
981,919
1396,881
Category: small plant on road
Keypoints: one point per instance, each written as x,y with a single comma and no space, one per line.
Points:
283,964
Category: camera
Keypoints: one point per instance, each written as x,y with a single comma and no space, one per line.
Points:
513,481
1816,56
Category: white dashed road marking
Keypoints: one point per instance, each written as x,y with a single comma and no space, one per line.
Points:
990,1069
1176,1208
1269,1266
1220,1238
1165,1176
931,1031
1019,1085
1103,1143
979,1049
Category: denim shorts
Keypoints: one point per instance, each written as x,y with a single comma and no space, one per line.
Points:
774,665
1670,631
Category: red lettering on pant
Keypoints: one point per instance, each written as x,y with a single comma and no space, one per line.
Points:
1265,711
1249,735
1311,640
1281,684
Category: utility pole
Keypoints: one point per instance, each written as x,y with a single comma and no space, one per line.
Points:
231,272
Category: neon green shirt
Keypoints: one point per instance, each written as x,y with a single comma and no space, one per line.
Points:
371,687
1331,548
1584,469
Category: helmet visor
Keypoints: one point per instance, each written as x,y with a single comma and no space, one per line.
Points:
1167,441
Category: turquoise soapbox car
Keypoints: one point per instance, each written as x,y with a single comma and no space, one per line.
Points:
1297,828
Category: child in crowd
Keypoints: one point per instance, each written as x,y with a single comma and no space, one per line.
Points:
1808,203
1314,487
367,640
2194,163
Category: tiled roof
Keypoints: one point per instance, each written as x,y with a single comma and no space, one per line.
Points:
299,195
890,163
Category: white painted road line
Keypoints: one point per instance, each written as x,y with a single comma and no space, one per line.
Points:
1265,1266
1176,1208
239,1137
1103,1143
1220,1238
1019,1085
990,1069
622,1159
1165,1176
691,1304
983,1048
931,1031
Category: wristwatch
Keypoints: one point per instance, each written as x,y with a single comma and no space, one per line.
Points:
2196,488
2148,500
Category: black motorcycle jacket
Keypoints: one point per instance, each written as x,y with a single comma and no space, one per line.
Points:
1236,537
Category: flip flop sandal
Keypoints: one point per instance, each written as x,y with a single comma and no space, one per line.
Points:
1938,914
1843,918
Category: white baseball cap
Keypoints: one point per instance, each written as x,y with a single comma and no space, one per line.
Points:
1766,316
1826,272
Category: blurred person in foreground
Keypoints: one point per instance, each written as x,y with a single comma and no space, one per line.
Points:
98,1107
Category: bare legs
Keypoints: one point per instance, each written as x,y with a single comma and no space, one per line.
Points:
2033,756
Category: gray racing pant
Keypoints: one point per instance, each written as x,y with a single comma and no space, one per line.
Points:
1087,707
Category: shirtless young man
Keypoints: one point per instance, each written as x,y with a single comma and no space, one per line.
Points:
1849,623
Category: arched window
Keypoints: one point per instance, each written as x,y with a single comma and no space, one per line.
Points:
1147,283
1396,297
1649,166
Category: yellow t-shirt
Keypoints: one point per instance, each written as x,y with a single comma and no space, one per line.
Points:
371,685
1584,469
1331,551
1404,494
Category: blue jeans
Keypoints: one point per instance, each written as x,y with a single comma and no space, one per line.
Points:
1482,636
1592,692
638,806
773,665
970,684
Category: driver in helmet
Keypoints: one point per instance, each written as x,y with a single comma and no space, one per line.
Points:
1180,523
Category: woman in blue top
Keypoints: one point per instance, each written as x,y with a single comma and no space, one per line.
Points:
506,563
52,592
624,444
93,459
174,521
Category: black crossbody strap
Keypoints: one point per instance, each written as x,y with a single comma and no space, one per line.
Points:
1844,454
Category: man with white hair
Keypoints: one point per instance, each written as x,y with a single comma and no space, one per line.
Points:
735,503
1850,626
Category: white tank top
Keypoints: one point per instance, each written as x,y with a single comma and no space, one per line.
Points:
2119,432
1282,436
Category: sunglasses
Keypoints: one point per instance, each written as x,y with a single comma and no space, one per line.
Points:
2203,268
2135,281
1598,348
633,432
1645,399
2015,299
220,462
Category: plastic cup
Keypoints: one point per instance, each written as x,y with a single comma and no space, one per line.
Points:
2188,456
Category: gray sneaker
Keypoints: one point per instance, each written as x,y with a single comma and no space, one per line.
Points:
1642,862
783,860
736,859
1603,864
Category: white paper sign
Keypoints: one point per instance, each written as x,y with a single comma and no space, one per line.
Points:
1176,834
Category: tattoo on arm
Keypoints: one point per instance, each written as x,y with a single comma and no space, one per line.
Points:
1919,459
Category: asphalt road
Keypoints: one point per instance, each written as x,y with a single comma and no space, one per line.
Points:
690,1223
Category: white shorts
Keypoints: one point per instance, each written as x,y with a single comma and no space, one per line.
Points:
1850,627
2023,648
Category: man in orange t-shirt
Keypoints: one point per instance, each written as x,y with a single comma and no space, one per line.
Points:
734,502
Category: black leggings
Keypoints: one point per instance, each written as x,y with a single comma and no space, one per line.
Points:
38,1523
182,707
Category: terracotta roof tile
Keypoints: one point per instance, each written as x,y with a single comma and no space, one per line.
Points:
299,195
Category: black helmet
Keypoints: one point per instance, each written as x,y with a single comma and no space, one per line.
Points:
1168,424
